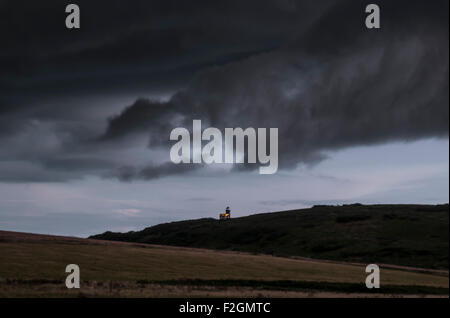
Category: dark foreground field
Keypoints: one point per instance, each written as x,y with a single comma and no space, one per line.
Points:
34,266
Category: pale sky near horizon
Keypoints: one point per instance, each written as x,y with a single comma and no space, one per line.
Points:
415,173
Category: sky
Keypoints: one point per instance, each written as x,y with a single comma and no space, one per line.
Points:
86,114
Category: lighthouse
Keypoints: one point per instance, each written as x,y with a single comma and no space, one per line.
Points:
226,215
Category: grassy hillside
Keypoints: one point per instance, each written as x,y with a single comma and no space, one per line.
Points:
411,235
34,265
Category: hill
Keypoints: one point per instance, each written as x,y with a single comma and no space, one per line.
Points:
34,266
411,235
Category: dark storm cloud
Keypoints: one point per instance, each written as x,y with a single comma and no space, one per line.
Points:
332,88
129,43
312,70
128,173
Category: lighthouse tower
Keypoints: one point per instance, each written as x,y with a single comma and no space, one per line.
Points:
226,215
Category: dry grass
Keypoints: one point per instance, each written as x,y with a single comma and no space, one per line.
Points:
34,257
132,290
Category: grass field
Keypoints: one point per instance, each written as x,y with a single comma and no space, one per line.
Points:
34,265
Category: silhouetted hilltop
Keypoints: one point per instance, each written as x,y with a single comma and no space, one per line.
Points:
411,235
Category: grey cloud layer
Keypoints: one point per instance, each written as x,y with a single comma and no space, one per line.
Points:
312,71
385,86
